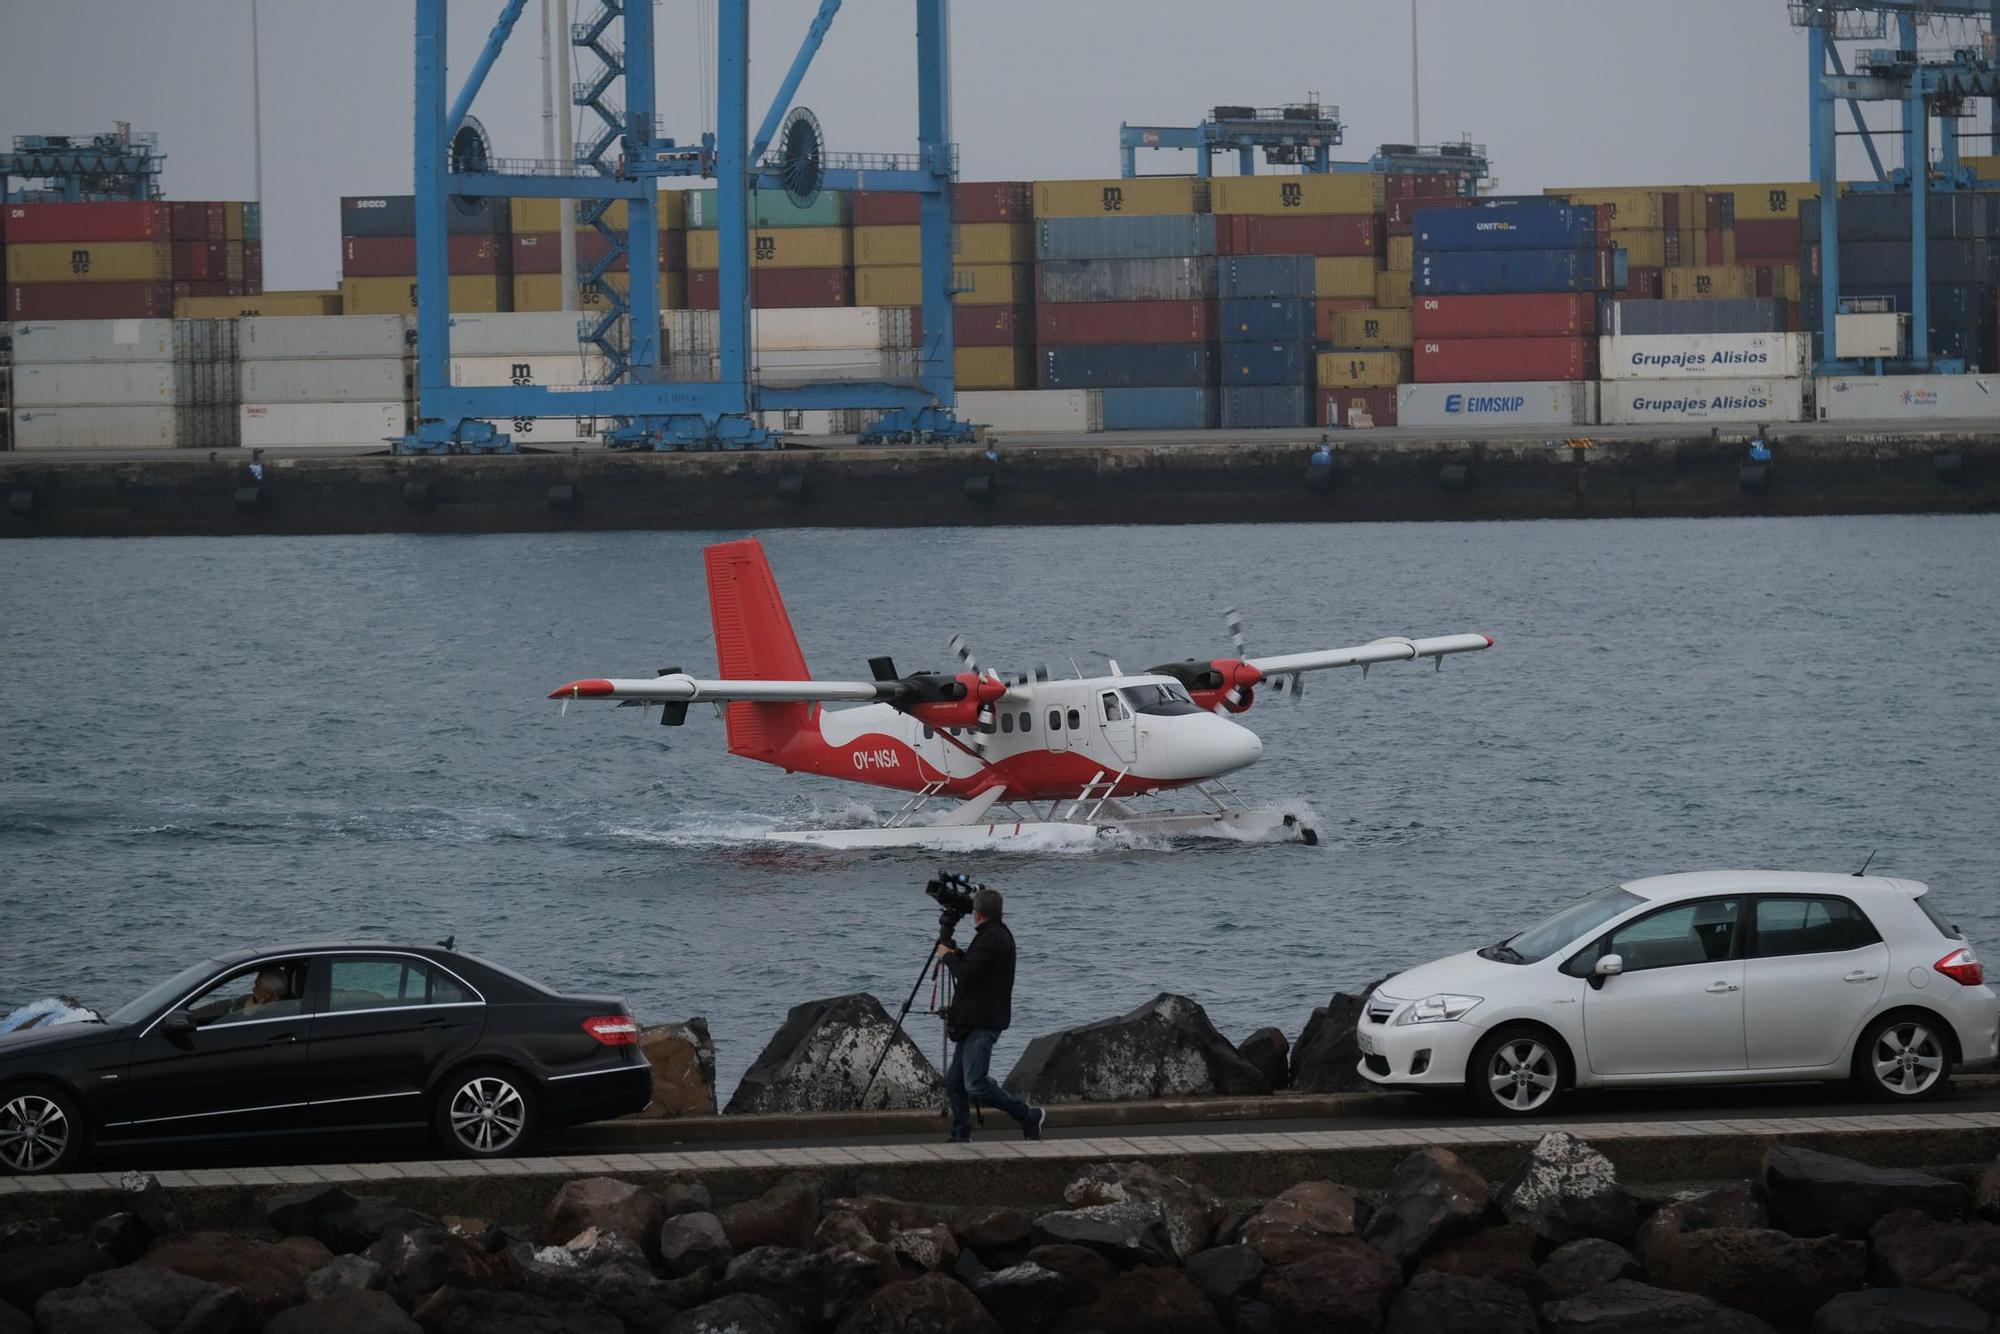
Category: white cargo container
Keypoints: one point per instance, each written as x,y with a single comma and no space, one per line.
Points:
323,425
1516,403
1903,397
328,380
486,372
291,337
795,330
1033,411
1649,402
97,428
795,366
40,341
1740,356
521,333
547,431
94,384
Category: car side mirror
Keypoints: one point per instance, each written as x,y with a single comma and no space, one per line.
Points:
1611,965
178,1023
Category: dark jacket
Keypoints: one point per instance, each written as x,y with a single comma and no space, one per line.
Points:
984,974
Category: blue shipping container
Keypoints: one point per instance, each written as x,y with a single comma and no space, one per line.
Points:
1165,236
1126,279
1266,408
1969,307
1267,363
1158,409
1486,272
1275,320
1549,227
1128,366
1247,277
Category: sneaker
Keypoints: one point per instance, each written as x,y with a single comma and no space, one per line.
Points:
958,1139
1037,1118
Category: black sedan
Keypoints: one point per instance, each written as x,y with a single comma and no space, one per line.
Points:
318,1039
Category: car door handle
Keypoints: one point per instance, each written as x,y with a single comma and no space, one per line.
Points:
1722,988
1860,975
281,1039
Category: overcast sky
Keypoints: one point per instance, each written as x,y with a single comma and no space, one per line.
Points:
1563,92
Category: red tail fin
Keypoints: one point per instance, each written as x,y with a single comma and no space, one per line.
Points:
754,641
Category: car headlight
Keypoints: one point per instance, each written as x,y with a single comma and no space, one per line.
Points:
1438,1009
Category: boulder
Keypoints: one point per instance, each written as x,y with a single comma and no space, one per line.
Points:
142,1298
563,1273
691,1242
846,1232
1724,1206
608,1205
819,1061
478,1312
32,1232
1127,1234
13,1320
683,1061
419,1261
26,1272
1986,1195
1269,1052
1226,1274
818,1287
1627,1307
738,1313
927,1249
1566,1190
1767,1273
343,1273
355,1311
1085,1270
1343,1284
1024,1298
932,1304
1432,1197
1448,1304
121,1236
1302,1219
784,1215
685,1197
993,1229
884,1215
1814,1193
340,1221
1255,1317
633,1294
1167,1048
1575,1267
1192,1211
1900,1311
1325,1059
141,1194
1505,1254
1146,1301
271,1276
1911,1250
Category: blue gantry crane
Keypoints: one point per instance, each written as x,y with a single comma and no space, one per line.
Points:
71,168
629,160
1927,89
1299,134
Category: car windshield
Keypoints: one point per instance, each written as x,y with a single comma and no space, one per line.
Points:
175,987
1552,933
1158,700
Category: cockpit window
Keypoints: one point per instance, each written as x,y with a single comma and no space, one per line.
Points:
1114,708
1161,700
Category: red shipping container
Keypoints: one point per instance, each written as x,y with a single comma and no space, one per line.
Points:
1337,406
1400,216
1767,239
1096,323
777,289
207,287
28,224
1327,307
90,301
394,256
1531,315
201,259
1421,185
1464,360
983,326
975,201
1644,284
541,252
1340,237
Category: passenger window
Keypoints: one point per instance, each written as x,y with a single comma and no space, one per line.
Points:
375,984
1114,708
928,734
266,991
1055,720
1075,720
1007,723
1810,926
1699,932
1027,721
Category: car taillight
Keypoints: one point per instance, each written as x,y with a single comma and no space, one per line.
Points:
616,1030
1963,967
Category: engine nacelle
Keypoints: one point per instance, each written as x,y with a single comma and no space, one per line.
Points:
939,702
1223,683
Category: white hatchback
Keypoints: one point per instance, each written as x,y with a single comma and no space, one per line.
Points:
1705,978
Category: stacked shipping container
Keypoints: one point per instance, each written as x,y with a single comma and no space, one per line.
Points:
378,255
126,260
124,384
799,257
1963,258
535,250
341,382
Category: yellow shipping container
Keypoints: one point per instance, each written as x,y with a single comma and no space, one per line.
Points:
545,215
1372,328
264,303
779,248
879,246
1392,290
995,367
1774,199
977,242
1720,281
472,295
1644,249
1337,192
91,262
543,291
987,285
1139,195
1402,253
1636,208
232,221
1363,370
1346,277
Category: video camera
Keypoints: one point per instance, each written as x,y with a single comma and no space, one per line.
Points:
953,891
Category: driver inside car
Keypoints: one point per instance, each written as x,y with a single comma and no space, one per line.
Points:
270,997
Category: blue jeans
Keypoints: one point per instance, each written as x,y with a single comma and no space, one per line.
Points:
965,1078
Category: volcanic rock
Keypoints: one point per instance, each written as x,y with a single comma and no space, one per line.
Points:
1575,1267
1343,1284
1626,1307
1767,1273
818,1287
784,1215
1302,1219
1432,1197
142,1195
1326,1058
1448,1304
932,1304
477,1312
1167,1048
1268,1050
121,1236
418,1261
737,1313
1226,1274
342,1222
356,1311
1725,1206
1900,1311
1504,1254
1913,1251
1191,1211
685,1197
1146,1301
1566,1190
271,1276
819,1061
1129,1234
343,1273
1085,1270
608,1205
690,1242
993,1229
1024,1298
1813,1193
141,1298
683,1061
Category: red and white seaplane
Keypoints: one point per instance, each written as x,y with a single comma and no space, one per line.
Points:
1031,758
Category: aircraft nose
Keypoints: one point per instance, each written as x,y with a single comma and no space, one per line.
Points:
1241,748
1206,745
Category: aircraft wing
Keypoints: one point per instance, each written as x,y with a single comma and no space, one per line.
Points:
1382,650
680,688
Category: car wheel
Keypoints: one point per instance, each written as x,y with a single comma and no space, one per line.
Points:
1903,1058
1517,1072
488,1112
41,1131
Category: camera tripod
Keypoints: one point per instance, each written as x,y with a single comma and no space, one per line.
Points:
940,977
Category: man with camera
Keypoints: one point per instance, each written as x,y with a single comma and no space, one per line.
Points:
981,1007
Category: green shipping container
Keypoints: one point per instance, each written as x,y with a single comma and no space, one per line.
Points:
771,208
